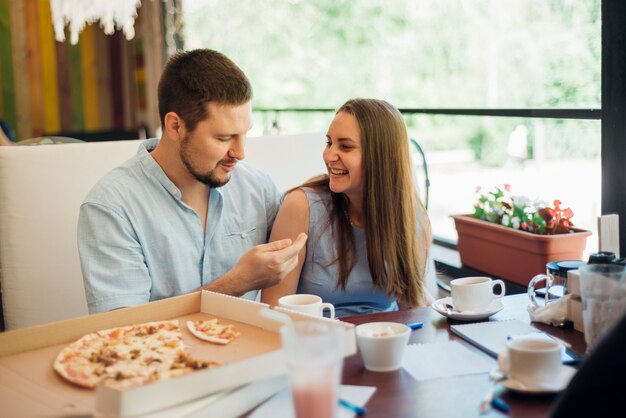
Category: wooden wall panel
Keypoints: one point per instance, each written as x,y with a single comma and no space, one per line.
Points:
150,32
103,80
129,84
76,88
23,128
7,84
7,97
49,66
104,83
117,80
34,68
63,80
89,70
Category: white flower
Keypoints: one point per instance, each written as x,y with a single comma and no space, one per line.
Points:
505,220
515,222
522,201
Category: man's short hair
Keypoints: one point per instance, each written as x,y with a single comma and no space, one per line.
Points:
192,79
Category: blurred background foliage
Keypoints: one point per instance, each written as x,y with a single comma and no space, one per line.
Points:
482,54
417,54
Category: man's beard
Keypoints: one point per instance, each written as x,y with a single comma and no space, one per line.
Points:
209,178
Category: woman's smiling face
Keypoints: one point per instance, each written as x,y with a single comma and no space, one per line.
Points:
343,156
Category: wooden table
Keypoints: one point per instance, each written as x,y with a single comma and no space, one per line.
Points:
399,395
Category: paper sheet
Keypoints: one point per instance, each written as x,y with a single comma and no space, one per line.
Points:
432,361
280,405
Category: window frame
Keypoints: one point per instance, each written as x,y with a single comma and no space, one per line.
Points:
612,115
613,120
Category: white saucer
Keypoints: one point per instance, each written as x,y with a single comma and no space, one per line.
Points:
439,306
565,375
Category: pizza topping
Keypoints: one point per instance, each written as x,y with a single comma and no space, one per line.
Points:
135,353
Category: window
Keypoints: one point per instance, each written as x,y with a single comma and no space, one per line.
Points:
470,76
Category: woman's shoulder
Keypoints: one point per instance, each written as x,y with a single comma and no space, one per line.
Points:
313,201
315,194
296,198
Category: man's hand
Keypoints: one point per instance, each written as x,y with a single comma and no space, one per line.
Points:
260,267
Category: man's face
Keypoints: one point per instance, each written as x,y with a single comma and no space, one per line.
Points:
212,150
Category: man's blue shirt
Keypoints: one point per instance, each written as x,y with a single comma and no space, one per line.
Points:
139,242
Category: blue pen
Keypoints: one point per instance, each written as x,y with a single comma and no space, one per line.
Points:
500,405
415,325
359,410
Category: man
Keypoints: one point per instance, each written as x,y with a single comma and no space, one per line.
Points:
596,389
185,213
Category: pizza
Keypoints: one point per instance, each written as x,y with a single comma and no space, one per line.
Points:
127,356
212,331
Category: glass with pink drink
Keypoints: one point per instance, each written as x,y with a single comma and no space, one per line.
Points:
314,352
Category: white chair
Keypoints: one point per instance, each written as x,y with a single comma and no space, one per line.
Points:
289,159
41,190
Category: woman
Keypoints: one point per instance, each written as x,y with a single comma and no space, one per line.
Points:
369,234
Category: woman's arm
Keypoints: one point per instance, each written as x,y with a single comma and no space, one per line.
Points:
292,219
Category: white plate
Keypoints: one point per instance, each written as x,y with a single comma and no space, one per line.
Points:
565,375
439,306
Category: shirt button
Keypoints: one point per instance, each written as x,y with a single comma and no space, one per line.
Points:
244,235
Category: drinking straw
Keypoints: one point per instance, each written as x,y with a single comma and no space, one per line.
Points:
500,405
359,410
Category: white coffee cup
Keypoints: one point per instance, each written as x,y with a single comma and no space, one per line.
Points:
532,360
309,304
474,293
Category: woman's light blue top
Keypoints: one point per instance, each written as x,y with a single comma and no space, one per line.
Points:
139,241
319,276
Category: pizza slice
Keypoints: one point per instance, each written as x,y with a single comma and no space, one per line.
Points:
212,331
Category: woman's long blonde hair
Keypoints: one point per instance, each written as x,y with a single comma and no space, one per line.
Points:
397,229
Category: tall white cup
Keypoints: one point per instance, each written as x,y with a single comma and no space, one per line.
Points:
475,293
532,360
310,304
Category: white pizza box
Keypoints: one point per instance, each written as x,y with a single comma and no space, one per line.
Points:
30,387
231,403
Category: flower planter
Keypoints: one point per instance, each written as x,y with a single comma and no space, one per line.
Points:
512,254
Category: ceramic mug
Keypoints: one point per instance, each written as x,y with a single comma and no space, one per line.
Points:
555,279
309,304
532,360
475,293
